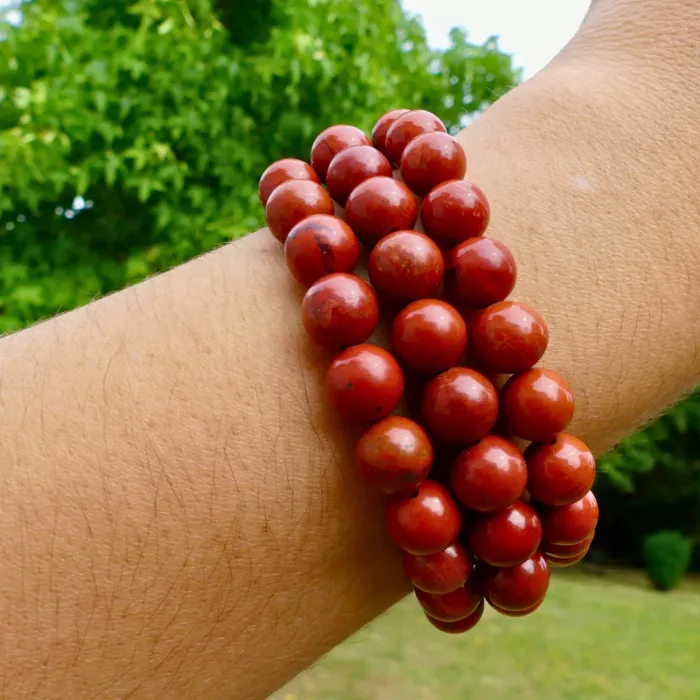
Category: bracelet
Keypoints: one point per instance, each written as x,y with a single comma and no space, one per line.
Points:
487,523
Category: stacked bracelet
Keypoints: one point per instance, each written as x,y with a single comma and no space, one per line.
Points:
491,525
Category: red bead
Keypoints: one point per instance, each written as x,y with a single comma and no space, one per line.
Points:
406,128
431,159
455,211
518,613
480,271
282,171
460,405
536,405
332,141
320,245
353,166
405,266
506,538
441,572
560,471
429,336
460,626
489,476
424,523
383,125
517,588
572,523
567,551
508,337
379,206
340,310
364,383
452,606
394,455
293,201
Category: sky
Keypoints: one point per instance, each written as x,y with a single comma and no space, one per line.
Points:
534,31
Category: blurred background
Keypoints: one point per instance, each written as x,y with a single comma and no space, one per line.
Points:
132,133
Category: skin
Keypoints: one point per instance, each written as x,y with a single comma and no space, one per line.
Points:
178,513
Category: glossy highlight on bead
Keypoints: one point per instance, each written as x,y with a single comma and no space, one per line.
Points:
351,167
364,383
340,310
460,405
293,201
440,572
508,337
394,455
508,537
332,141
282,171
455,211
479,272
489,476
426,522
517,588
320,245
571,524
406,266
429,336
378,207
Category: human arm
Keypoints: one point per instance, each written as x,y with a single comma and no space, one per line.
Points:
178,513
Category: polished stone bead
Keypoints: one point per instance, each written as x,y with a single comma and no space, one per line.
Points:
441,572
517,588
332,141
293,201
406,128
282,171
394,455
364,383
429,336
431,159
570,524
452,606
340,310
352,167
423,523
383,125
320,245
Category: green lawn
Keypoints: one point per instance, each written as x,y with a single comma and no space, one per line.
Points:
593,639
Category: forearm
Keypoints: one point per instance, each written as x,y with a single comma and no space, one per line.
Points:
178,510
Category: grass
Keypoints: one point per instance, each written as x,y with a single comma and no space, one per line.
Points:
594,639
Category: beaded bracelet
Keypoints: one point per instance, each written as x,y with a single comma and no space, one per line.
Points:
487,523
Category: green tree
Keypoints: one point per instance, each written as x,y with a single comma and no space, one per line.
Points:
161,114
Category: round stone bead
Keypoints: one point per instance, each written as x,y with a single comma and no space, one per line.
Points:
352,167
405,266
489,476
320,245
506,538
455,211
406,128
394,455
431,159
379,206
452,606
364,383
332,141
460,405
282,171
429,336
479,272
536,405
570,524
460,626
340,310
441,572
293,201
560,471
508,337
423,523
383,125
517,588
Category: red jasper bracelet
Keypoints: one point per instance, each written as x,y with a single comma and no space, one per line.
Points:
490,523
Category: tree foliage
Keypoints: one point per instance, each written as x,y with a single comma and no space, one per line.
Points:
161,114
